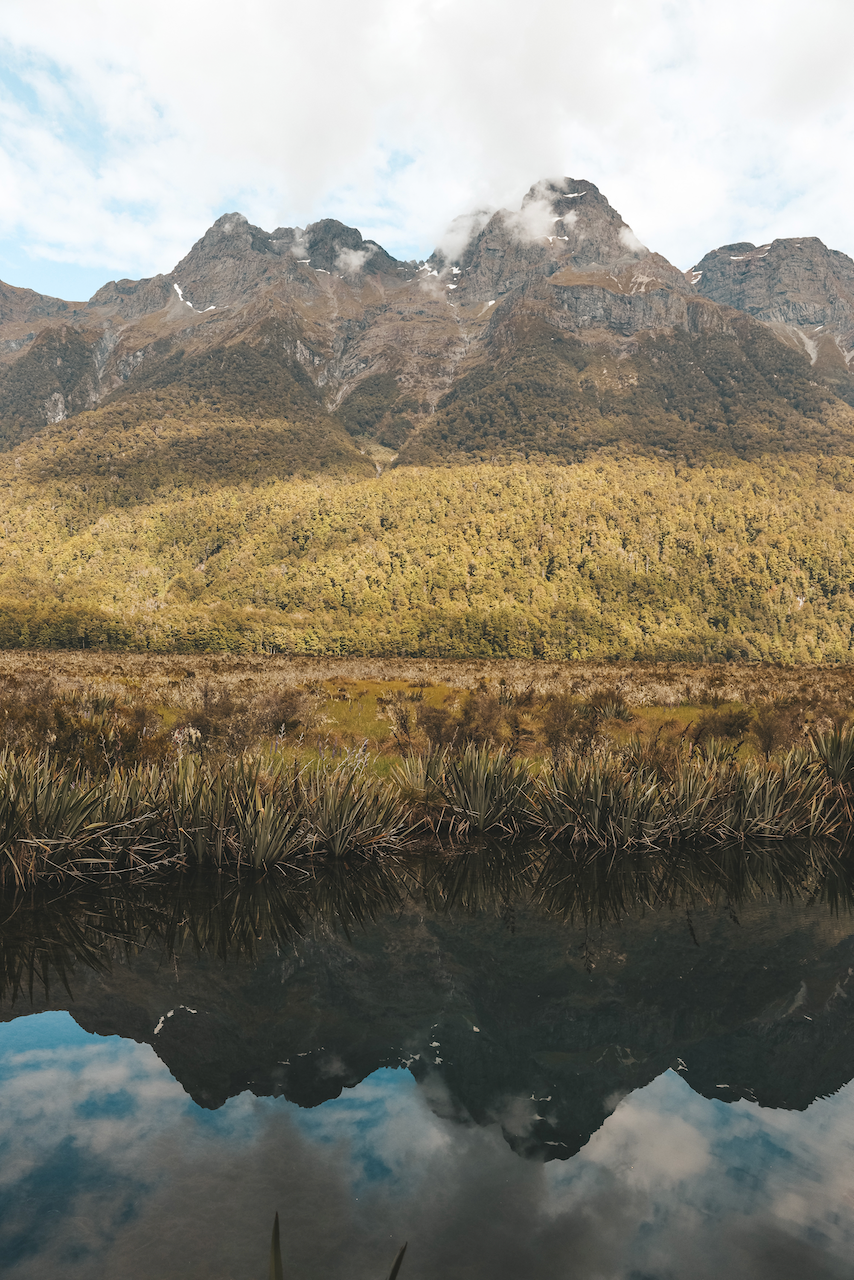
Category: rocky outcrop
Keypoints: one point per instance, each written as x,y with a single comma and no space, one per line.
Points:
624,304
132,299
796,284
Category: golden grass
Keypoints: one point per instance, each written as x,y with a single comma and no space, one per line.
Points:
665,684
346,702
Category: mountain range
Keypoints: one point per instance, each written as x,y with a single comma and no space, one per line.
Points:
319,322
544,440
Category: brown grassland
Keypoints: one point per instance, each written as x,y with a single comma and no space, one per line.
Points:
124,765
107,709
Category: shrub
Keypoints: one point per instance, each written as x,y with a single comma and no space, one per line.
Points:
481,720
773,726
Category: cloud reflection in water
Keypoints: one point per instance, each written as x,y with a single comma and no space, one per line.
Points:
107,1167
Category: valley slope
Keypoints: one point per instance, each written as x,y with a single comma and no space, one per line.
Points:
545,440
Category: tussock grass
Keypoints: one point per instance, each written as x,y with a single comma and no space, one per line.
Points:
58,822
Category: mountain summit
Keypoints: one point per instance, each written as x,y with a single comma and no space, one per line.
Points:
802,289
611,342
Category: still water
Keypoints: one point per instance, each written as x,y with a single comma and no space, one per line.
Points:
634,1093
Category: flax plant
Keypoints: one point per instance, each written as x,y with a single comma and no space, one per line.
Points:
417,780
346,813
487,793
269,815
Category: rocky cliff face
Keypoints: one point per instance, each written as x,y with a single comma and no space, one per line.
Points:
802,289
384,343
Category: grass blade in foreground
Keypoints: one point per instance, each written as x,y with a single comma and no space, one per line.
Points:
276,1272
395,1266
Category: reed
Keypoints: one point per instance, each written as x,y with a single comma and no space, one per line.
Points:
271,814
277,1269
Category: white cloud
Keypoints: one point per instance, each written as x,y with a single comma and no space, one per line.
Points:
129,128
155,1186
630,240
461,231
535,220
351,261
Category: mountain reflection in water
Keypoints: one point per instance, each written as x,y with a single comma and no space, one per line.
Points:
371,1049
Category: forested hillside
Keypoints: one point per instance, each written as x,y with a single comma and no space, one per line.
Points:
622,555
553,444
692,396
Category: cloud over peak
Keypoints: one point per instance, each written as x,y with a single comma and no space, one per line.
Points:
126,130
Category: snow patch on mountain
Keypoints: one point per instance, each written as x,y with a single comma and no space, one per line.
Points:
177,289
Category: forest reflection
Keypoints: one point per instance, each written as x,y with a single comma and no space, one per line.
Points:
45,932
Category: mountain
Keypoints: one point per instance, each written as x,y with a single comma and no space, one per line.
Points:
544,440
803,291
319,322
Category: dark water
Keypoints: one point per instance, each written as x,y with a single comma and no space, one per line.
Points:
522,1073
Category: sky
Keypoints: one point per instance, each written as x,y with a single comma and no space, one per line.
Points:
126,129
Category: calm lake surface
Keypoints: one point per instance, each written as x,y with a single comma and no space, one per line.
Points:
514,1088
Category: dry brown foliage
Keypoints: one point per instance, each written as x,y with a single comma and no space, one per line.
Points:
112,708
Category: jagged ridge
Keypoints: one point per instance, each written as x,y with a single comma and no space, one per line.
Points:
383,344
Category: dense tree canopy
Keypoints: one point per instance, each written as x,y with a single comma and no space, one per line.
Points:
623,555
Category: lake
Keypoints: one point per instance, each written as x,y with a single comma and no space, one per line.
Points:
517,1083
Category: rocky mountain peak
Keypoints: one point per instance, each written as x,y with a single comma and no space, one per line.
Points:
562,223
226,264
332,246
232,229
381,342
796,283
234,258
593,231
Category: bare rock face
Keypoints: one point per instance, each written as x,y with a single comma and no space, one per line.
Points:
562,226
799,286
648,295
383,343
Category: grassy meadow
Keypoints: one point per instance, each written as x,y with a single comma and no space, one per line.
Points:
131,766
97,709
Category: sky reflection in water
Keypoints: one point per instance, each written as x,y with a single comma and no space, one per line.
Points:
108,1168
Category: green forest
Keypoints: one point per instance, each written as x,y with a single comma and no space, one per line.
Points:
154,527
548,395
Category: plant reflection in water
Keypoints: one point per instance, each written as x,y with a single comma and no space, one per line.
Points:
44,931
